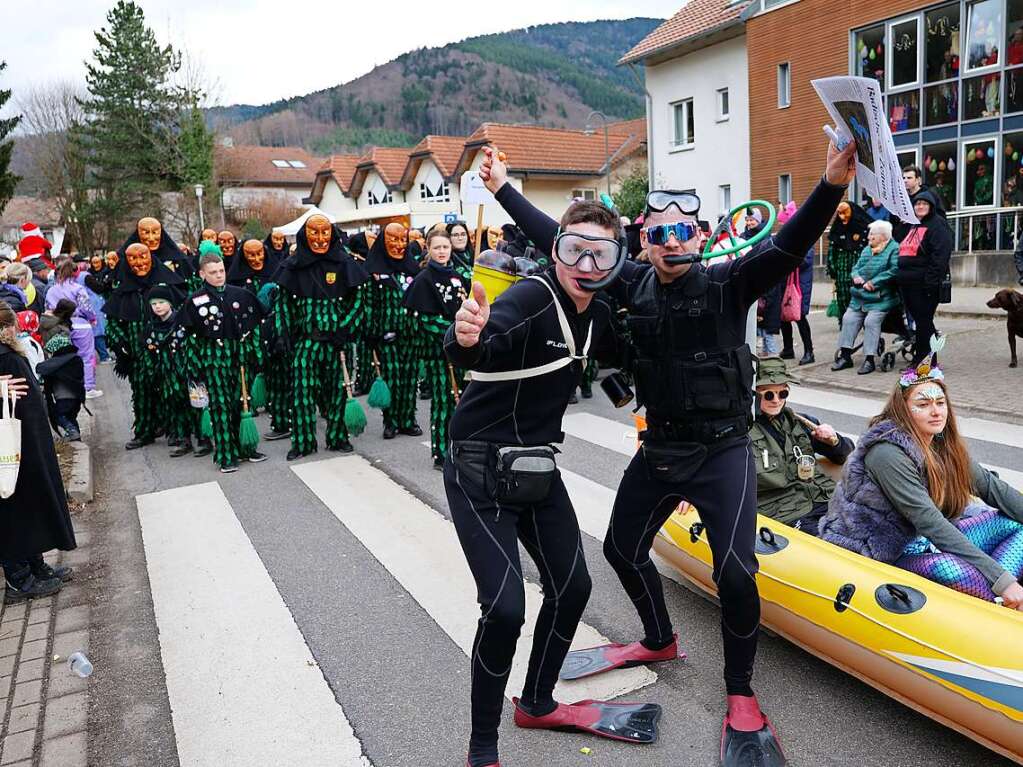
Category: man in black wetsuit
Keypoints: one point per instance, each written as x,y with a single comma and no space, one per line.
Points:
694,373
526,355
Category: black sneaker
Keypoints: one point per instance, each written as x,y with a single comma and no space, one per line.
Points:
573,400
390,432
788,354
344,446
843,363
23,585
587,392
274,434
183,448
411,431
255,457
135,444
204,449
867,367
295,453
438,463
807,358
229,468
43,572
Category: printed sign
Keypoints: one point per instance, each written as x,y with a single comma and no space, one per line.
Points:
473,192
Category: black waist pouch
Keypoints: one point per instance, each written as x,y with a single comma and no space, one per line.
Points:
524,474
673,463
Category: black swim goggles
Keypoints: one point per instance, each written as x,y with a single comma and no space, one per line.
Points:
662,233
660,200
570,248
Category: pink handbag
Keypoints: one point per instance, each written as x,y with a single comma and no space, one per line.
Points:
792,300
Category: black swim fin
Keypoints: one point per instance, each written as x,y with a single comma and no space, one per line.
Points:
749,748
630,722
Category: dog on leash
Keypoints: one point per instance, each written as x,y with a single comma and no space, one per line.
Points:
1012,302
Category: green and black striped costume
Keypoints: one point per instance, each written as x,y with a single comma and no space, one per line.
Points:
318,311
164,360
391,331
222,322
431,302
128,315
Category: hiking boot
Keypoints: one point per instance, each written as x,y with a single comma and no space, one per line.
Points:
274,434
44,572
184,448
22,585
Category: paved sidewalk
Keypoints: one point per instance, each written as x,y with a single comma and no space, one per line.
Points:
966,302
43,705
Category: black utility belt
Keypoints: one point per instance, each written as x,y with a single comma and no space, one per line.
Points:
512,474
705,432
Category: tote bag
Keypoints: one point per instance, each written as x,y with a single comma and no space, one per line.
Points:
10,443
792,300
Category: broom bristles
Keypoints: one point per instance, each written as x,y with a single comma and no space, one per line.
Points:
257,395
248,434
206,424
355,417
379,395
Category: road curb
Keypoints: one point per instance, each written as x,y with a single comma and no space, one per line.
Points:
80,484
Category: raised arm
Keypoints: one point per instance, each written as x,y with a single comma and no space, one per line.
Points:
537,225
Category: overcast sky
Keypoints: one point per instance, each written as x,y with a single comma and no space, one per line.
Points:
261,50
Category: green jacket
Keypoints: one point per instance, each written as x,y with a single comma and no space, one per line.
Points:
781,494
880,269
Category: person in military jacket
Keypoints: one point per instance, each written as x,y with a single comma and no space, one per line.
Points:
790,485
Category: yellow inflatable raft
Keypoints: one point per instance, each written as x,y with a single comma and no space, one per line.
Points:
941,652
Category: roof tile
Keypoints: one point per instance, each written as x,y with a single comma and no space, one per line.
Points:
255,165
694,18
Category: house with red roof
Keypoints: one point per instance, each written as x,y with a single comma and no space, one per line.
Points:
695,66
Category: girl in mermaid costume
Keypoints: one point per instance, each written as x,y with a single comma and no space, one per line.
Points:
909,497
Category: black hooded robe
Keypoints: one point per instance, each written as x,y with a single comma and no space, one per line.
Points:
845,243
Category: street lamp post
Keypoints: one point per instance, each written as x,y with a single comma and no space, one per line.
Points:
607,149
198,196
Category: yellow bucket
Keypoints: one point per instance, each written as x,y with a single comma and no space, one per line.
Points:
495,282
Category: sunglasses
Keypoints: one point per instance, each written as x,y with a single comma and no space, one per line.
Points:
683,231
659,200
782,395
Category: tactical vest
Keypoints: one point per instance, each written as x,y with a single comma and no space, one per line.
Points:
781,494
692,369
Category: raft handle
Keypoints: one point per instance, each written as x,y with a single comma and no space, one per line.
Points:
844,596
694,531
901,600
770,542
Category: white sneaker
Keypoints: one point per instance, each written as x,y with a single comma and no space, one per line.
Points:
93,393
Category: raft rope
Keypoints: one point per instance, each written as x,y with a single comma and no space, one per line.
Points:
1015,680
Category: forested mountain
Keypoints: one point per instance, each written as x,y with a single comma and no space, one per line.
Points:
553,74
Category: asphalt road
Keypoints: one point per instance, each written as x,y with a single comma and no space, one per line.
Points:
401,680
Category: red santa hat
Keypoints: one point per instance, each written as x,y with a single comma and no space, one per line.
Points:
33,245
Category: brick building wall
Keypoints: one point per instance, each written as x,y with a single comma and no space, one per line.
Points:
813,36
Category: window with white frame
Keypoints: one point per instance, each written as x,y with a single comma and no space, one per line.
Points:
722,104
785,188
685,124
724,198
784,85
439,193
584,194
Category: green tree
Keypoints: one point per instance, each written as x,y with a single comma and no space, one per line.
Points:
131,118
630,199
8,181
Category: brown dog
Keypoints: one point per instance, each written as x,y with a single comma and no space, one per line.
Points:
1012,302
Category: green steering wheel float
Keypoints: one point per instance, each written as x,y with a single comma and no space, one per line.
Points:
725,225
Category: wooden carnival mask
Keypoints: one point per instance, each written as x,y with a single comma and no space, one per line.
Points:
149,231
277,239
227,242
252,250
318,232
209,234
112,259
140,259
395,240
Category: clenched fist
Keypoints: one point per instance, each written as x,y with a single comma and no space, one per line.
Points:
472,317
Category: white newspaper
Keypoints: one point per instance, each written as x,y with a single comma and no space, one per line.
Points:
856,106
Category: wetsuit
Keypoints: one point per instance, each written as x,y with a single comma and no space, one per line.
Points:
694,374
523,332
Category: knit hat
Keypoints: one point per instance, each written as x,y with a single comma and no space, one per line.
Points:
772,371
57,343
160,293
